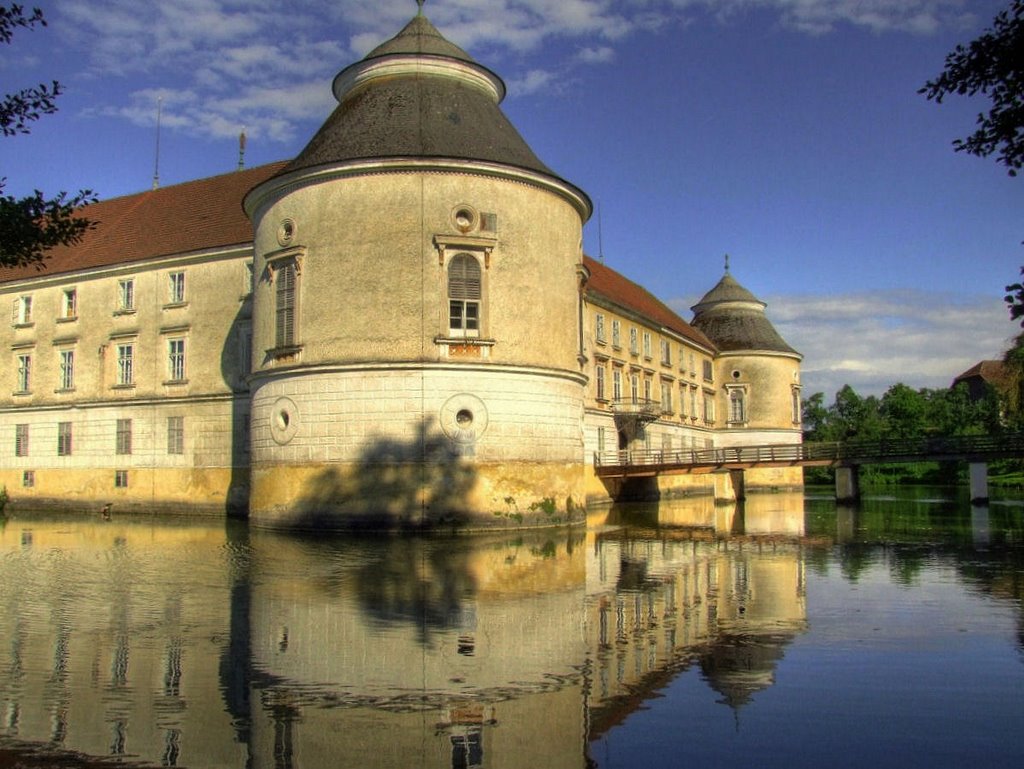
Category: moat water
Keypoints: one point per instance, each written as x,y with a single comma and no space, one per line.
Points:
786,633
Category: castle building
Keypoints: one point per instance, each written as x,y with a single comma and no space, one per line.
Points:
396,329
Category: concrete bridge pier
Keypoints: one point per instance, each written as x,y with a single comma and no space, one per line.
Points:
979,483
847,484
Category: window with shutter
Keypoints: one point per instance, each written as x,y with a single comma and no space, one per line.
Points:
464,294
285,279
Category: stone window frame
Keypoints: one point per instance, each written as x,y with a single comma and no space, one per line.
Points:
176,289
450,248
21,439
125,296
175,434
737,398
68,305
65,439
123,436
287,301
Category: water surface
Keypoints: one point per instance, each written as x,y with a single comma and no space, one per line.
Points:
783,633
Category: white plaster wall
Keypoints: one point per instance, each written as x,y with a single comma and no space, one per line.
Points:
531,415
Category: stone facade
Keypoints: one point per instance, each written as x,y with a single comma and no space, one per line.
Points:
396,329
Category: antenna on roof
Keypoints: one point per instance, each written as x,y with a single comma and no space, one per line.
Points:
156,165
600,234
726,264
241,150
420,4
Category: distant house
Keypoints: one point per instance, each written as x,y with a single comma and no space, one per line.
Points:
982,377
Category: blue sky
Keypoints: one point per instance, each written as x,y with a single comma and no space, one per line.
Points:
786,133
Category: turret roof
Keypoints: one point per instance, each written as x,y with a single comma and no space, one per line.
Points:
419,36
448,110
734,319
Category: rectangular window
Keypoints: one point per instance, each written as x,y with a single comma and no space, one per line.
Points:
616,385
666,397
284,277
126,295
599,373
28,479
21,440
69,305
693,402
634,348
120,479
176,288
616,334
666,353
175,435
176,360
647,390
24,373
647,344
22,314
125,364
634,388
599,328
244,353
709,372
737,406
693,365
601,440
682,400
64,439
709,408
797,410
67,369
124,436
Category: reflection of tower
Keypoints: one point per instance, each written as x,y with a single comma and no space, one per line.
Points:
434,652
658,605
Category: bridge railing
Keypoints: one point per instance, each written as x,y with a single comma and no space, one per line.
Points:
848,452
794,452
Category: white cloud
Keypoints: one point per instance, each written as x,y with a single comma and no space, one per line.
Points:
599,55
871,341
229,52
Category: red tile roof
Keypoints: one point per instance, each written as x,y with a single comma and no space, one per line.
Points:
194,216
615,288
991,371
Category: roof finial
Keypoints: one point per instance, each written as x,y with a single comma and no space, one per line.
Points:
420,4
726,264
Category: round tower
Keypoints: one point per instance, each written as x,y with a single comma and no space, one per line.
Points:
757,373
416,312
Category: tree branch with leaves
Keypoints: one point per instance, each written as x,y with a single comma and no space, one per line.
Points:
992,65
32,225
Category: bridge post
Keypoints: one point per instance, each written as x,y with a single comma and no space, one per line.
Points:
847,484
979,483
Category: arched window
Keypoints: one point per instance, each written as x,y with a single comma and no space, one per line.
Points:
737,405
464,296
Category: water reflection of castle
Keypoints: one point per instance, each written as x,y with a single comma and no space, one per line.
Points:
191,646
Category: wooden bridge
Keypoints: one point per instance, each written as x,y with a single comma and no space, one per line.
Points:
846,456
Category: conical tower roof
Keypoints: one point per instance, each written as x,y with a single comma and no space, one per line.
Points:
734,319
420,97
419,36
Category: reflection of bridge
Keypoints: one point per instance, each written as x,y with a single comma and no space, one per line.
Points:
846,457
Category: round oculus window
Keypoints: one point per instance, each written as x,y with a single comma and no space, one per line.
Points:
463,414
284,420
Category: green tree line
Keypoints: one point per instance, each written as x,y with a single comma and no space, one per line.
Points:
902,412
